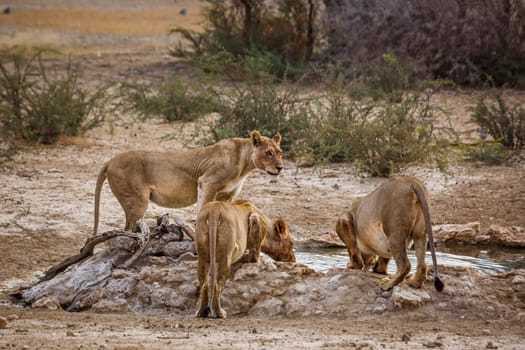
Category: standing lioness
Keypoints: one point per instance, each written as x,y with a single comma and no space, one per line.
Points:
179,178
384,223
224,231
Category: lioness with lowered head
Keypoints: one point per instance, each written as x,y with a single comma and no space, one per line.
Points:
383,224
179,178
224,231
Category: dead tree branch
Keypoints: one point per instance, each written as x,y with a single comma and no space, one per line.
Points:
145,237
185,227
87,250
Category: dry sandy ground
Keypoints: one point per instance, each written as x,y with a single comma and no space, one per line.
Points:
46,201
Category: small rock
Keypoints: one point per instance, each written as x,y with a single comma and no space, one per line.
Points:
12,317
47,303
520,317
490,345
3,323
379,309
402,296
433,344
518,279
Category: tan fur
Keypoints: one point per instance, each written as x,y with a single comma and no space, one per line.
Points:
179,178
383,224
224,231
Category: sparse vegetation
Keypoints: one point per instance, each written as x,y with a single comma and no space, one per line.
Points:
175,98
489,153
279,39
267,107
38,104
380,136
504,122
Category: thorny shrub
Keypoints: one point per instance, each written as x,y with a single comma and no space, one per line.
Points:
174,98
504,122
38,103
280,38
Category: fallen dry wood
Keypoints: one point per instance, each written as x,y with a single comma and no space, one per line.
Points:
144,237
162,227
87,250
185,227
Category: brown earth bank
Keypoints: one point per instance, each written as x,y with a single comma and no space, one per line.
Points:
46,214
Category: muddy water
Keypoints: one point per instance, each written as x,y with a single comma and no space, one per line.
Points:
487,260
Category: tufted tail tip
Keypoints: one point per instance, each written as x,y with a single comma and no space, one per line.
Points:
438,284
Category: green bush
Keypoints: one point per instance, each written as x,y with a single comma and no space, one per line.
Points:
380,137
263,105
490,153
505,123
278,38
175,98
39,104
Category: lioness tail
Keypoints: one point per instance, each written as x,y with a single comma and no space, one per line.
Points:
438,284
98,188
213,221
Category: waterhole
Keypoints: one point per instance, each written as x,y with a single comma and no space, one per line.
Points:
487,260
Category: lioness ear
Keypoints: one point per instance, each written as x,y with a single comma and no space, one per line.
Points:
277,138
280,228
255,136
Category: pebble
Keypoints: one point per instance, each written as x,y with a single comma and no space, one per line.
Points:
3,323
490,345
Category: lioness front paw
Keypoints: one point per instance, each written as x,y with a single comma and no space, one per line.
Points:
414,282
220,313
203,312
386,284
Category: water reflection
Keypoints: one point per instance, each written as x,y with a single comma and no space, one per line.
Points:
487,260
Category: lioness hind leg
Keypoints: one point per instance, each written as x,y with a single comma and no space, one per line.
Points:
132,198
134,213
216,310
421,270
403,268
203,310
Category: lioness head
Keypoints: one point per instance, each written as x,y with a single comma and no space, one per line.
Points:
278,244
267,154
345,231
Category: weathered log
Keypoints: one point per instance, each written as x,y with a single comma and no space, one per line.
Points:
87,250
145,237
162,227
185,227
